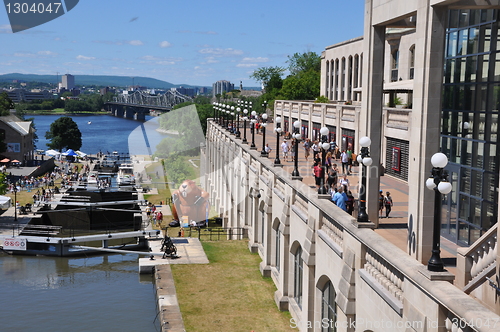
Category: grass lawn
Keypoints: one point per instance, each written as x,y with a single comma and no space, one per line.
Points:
229,293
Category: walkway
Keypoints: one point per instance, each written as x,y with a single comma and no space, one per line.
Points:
394,228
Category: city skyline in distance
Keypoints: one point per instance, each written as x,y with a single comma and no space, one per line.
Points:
193,45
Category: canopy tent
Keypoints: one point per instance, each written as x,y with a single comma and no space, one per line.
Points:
5,202
52,153
5,160
81,154
70,152
15,161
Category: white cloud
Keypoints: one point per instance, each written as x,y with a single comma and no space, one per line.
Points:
160,60
46,53
221,51
165,44
82,57
258,59
24,55
246,65
136,42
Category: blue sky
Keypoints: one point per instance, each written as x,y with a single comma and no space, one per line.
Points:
182,42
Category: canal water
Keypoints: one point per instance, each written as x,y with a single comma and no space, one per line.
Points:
106,133
95,293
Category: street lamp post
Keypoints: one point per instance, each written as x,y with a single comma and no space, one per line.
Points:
324,146
263,153
365,160
244,140
233,130
297,136
215,111
439,183
254,121
238,134
15,201
278,132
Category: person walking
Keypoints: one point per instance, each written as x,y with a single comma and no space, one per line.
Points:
388,204
344,159
307,148
340,199
318,174
284,149
381,202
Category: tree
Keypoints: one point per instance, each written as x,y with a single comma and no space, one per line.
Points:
303,86
266,74
304,62
64,133
6,104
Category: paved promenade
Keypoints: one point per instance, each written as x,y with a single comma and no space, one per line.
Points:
394,228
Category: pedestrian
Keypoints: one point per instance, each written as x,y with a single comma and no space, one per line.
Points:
344,182
267,149
388,204
349,161
344,159
284,149
350,203
315,148
340,199
159,218
332,176
318,174
307,148
381,202
292,149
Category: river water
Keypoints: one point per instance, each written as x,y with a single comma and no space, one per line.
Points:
96,293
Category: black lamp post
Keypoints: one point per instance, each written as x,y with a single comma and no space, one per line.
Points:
15,201
324,146
244,140
233,130
297,136
439,183
278,130
263,153
238,134
215,111
254,121
364,160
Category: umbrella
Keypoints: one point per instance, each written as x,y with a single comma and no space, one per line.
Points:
15,161
5,160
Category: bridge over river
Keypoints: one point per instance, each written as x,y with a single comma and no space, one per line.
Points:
138,104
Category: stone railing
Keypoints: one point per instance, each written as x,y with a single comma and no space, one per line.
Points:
385,279
477,261
300,207
348,113
333,234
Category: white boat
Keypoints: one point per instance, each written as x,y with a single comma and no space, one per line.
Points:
92,178
90,122
125,175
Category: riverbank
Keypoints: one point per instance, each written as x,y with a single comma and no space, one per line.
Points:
60,111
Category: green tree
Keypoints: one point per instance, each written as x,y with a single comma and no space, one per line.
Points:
299,63
303,86
3,183
6,104
266,75
64,133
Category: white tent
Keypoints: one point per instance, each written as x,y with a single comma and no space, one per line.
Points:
52,153
5,202
80,154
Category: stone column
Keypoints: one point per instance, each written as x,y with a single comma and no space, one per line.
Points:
371,107
426,126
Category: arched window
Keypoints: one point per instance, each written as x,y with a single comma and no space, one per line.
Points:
328,308
297,277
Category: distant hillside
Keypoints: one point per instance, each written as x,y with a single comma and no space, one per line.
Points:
100,80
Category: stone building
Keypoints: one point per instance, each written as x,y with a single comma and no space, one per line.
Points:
439,59
18,136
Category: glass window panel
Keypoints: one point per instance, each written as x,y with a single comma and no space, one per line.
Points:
463,37
471,69
475,233
464,208
445,123
453,202
490,163
463,232
477,154
465,180
475,212
482,97
453,19
475,17
489,215
490,187
467,159
454,152
476,183
483,67
473,40
445,145
496,67
485,37
452,44
463,19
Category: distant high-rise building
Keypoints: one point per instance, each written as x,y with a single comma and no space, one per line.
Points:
68,82
221,86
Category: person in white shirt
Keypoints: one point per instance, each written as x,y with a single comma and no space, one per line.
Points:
285,148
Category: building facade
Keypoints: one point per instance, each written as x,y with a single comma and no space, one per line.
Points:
220,87
18,136
68,82
423,79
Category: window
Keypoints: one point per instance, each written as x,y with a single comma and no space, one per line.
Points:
412,61
277,254
328,308
394,65
297,277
